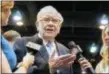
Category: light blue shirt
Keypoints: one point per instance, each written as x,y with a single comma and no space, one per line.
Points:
9,52
49,47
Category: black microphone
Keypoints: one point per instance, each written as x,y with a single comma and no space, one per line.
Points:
75,49
34,47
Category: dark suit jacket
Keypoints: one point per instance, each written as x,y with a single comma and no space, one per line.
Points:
41,57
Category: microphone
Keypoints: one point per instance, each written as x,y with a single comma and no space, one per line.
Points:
75,49
32,47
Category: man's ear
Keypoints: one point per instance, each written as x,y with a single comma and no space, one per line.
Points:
58,30
37,26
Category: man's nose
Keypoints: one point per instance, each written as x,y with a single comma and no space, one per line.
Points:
50,23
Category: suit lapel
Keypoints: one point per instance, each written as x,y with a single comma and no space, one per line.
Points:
44,54
57,48
60,49
42,51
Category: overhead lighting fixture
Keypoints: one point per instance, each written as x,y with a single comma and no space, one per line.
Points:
19,23
104,20
17,16
93,48
102,27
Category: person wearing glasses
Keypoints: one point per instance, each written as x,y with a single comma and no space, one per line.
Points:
53,57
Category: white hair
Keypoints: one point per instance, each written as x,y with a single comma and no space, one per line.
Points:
49,9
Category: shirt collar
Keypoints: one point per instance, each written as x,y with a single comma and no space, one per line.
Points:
44,41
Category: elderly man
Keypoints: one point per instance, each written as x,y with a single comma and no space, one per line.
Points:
53,57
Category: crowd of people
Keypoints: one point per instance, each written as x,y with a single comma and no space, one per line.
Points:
52,57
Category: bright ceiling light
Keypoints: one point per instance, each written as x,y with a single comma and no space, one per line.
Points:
102,27
19,23
104,21
93,48
17,18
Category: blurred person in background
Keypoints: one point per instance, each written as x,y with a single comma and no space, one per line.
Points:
11,36
7,56
103,65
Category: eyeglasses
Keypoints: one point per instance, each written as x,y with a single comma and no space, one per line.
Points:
55,21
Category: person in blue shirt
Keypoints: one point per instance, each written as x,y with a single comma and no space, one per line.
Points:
8,51
7,55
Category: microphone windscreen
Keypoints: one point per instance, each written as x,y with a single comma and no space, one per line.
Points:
79,49
71,44
39,41
33,47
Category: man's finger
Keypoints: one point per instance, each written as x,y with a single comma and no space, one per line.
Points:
62,57
69,59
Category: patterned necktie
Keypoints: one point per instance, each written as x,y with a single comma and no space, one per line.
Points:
50,48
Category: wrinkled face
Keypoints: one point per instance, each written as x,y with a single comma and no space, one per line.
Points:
106,37
49,26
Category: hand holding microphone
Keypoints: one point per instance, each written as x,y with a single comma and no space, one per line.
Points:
85,65
28,60
32,49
